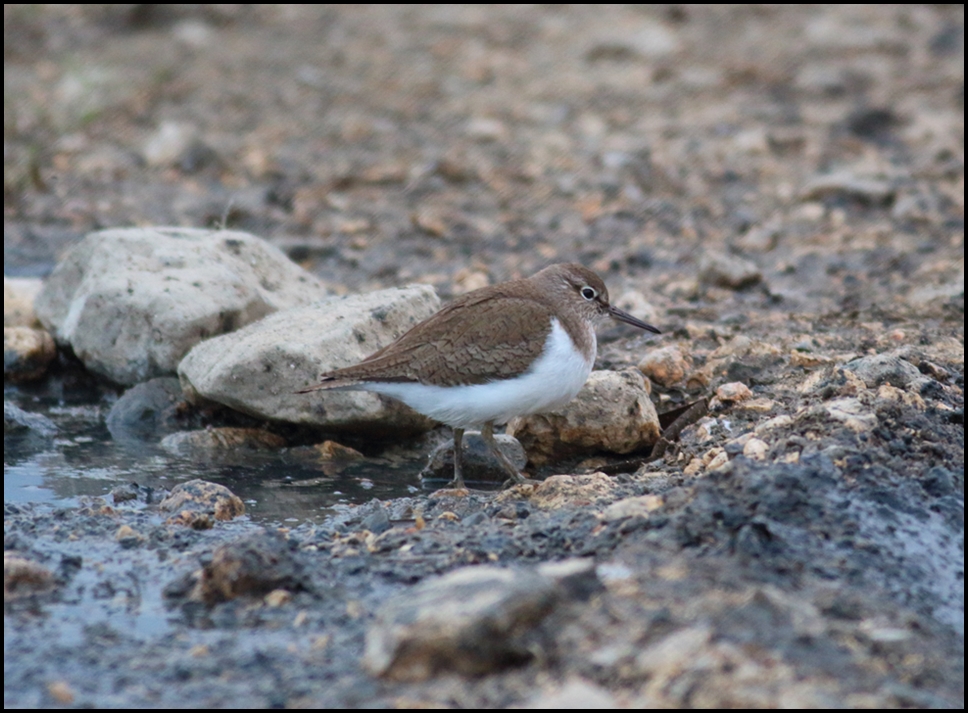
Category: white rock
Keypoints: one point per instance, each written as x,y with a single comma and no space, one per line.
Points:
852,413
574,694
258,369
193,33
846,184
634,302
760,238
653,39
132,302
775,422
717,461
731,271
637,506
168,142
486,129
756,449
751,141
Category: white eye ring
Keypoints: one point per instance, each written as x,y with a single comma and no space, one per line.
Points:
588,293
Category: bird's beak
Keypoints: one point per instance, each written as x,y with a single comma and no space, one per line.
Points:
616,313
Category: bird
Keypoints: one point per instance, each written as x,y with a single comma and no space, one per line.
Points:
516,348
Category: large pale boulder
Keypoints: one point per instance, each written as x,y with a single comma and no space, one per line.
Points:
132,302
258,369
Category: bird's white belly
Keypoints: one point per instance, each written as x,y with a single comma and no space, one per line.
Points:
551,382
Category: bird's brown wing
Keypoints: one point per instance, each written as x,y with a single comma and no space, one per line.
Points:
470,341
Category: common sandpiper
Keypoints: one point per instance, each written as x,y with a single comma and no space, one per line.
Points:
517,348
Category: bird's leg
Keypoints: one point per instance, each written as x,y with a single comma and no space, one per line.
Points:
458,481
487,433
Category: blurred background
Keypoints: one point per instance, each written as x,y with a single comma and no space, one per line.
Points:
462,145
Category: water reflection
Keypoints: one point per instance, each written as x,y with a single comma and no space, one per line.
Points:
82,459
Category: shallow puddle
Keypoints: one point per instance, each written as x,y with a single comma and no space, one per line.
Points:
82,459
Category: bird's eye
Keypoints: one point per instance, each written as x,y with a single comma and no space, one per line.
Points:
588,293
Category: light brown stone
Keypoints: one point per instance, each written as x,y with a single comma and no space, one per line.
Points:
203,496
612,412
665,366
561,490
27,353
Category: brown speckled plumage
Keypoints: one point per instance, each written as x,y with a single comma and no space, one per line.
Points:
492,333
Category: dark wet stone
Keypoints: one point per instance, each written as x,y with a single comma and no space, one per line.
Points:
130,542
931,389
844,605
181,587
146,411
69,566
874,124
378,522
938,481
754,371
198,156
123,493
475,519
952,509
16,419
252,565
13,541
479,465
948,40
758,539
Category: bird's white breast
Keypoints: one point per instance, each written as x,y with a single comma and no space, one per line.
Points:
552,381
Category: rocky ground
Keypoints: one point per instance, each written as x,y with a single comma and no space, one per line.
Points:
780,190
